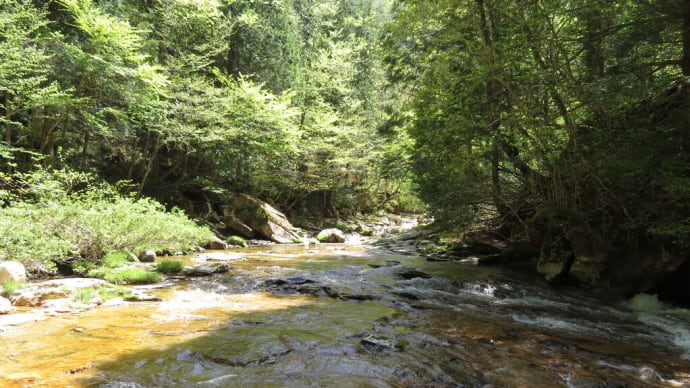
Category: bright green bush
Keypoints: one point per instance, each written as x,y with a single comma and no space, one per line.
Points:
62,214
117,259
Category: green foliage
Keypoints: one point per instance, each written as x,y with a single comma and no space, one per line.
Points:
169,266
128,275
87,294
84,295
9,287
278,99
116,259
66,214
402,344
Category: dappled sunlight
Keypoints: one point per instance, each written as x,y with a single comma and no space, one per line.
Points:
342,316
62,349
212,304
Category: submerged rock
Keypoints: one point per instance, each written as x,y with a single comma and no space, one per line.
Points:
408,274
206,269
377,343
121,384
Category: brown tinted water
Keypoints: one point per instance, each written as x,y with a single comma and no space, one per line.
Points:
352,316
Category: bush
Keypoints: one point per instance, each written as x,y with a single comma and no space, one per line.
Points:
61,214
117,259
169,267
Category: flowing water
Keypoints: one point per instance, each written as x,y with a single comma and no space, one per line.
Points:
353,316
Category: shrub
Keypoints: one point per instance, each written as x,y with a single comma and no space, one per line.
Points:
61,214
169,267
117,259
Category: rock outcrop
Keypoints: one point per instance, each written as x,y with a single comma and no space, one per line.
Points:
250,217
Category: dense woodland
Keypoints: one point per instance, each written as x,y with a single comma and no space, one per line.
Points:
562,127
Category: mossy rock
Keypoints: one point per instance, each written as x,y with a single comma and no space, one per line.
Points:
236,241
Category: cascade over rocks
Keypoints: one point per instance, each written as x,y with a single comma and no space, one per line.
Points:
250,217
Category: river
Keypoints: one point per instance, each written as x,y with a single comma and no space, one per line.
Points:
353,315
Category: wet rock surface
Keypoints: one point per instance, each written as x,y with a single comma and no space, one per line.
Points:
353,315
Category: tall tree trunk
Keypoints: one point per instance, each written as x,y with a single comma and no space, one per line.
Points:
685,61
493,100
158,144
7,114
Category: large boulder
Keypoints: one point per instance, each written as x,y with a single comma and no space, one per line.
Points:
332,235
147,256
5,305
263,219
235,226
216,244
12,271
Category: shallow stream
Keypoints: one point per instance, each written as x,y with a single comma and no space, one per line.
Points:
353,316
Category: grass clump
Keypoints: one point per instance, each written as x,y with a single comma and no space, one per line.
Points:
402,344
129,275
9,287
87,294
169,267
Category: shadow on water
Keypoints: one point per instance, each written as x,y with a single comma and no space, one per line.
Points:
346,317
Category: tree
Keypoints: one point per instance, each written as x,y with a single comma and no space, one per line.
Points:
27,95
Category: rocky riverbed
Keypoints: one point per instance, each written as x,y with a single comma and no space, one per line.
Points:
350,315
